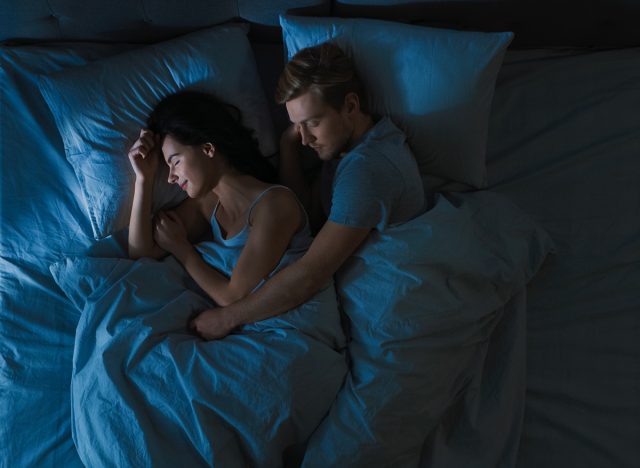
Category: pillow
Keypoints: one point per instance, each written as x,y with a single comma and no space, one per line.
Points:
435,84
99,109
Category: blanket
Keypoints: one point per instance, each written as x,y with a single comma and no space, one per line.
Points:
146,392
436,313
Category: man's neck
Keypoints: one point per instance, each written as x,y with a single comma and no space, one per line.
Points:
361,125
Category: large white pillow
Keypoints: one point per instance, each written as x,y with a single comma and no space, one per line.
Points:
99,109
436,84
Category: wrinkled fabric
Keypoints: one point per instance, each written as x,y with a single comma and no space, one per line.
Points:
145,391
430,302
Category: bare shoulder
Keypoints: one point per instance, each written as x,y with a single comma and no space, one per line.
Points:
279,205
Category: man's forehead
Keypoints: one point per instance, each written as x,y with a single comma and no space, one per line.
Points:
305,107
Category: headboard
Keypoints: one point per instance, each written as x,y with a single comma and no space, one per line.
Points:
141,21
536,23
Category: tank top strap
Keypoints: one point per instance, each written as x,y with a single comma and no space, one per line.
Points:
267,190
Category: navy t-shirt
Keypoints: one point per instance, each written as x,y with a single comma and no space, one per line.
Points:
377,183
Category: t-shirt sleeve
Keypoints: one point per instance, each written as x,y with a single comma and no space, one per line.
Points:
365,190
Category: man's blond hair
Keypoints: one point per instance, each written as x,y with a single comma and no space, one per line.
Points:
324,70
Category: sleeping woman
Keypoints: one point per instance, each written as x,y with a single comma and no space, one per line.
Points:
231,195
165,397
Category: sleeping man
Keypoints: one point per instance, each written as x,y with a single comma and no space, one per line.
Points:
373,181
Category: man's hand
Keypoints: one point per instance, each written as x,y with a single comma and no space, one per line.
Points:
213,324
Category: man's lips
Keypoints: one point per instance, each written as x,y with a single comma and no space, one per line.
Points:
184,185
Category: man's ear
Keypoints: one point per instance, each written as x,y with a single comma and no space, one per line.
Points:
209,150
351,103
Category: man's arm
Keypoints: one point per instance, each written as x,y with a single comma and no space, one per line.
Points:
291,174
290,287
290,170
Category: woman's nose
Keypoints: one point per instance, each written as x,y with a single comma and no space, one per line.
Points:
172,177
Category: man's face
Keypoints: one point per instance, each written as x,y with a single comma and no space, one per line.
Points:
321,127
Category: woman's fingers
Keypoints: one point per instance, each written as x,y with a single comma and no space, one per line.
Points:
144,144
165,217
173,217
146,133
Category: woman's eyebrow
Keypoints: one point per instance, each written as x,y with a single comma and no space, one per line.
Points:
171,157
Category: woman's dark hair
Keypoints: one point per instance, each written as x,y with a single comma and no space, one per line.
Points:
194,118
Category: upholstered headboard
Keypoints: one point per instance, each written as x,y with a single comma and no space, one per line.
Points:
536,23
141,20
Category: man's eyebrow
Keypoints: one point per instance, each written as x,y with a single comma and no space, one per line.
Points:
313,117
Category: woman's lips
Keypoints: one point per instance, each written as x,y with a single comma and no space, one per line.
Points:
184,186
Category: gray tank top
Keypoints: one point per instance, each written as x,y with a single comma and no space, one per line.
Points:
223,254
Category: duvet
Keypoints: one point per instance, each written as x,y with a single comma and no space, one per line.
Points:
147,392
422,299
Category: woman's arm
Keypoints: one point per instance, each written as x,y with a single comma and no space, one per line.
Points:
141,243
144,159
274,221
290,287
145,156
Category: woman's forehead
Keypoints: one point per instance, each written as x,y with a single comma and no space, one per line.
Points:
170,146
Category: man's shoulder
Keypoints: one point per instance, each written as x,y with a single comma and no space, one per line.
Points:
366,158
385,129
382,144
383,139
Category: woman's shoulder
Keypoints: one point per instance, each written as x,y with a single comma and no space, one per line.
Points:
276,203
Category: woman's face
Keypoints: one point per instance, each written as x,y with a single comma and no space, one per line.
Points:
189,166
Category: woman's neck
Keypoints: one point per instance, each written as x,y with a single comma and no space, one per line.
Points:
236,192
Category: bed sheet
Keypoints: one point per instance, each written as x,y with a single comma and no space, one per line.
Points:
564,144
570,160
41,222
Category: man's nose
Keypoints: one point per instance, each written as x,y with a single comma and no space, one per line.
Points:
306,136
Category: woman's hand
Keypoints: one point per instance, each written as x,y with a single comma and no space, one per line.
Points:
144,155
171,235
213,324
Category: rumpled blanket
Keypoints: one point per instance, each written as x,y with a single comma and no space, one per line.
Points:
145,391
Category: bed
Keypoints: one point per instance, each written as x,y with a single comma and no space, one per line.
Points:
499,328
